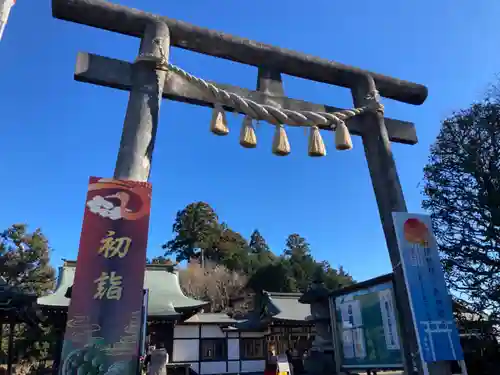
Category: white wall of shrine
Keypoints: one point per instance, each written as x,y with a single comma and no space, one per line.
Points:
188,348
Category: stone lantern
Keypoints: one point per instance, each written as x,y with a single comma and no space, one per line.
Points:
321,358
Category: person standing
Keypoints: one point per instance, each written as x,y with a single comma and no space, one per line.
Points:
271,361
158,361
289,358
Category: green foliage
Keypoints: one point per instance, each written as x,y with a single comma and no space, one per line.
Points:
229,249
24,260
171,266
333,278
196,228
197,231
273,277
462,193
258,244
30,344
24,264
158,260
299,261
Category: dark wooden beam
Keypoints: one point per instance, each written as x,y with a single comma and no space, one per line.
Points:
269,82
105,15
117,74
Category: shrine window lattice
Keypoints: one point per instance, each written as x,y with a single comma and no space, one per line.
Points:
213,350
252,348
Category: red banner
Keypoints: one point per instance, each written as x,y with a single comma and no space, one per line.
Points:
104,317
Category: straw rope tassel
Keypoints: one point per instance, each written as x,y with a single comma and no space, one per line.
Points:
316,144
343,140
281,146
274,115
218,124
248,138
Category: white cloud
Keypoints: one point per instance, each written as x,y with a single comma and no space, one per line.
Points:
100,206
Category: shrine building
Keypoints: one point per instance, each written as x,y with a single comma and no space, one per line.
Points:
211,343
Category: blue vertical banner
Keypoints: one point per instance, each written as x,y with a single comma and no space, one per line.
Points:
430,301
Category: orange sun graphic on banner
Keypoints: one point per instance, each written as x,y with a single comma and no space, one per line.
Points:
416,232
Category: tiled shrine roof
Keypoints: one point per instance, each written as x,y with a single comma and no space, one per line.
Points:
166,298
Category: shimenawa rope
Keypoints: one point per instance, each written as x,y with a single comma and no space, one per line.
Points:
269,113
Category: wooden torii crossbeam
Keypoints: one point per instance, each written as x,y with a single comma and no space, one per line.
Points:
104,71
112,17
148,84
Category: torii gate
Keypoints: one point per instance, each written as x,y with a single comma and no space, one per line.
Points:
148,82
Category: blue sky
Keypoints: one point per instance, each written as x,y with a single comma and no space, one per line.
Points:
55,132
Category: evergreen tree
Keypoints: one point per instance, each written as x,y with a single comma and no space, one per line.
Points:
334,279
301,264
25,260
273,278
258,244
231,250
260,253
25,264
196,229
462,193
296,247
